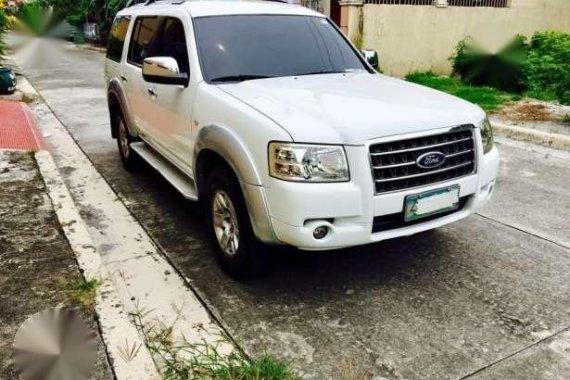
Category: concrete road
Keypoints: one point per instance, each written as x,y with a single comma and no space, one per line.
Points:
486,298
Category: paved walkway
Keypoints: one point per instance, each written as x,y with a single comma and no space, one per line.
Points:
17,127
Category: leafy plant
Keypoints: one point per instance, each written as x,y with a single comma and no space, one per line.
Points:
3,25
548,66
82,292
503,70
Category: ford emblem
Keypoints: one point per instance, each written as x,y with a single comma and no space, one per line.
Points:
430,160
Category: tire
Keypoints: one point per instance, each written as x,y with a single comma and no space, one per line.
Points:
131,160
238,251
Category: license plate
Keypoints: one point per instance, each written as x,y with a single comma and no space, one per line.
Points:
431,203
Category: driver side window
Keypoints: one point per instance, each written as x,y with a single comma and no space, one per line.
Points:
173,43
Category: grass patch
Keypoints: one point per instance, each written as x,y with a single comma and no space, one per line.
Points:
182,360
488,98
81,292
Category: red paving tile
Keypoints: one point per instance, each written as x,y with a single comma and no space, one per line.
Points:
17,127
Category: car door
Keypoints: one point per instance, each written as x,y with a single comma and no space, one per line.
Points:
144,39
171,119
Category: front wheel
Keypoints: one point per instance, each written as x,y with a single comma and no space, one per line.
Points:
239,252
131,161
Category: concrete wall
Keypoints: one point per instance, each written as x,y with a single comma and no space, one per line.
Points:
412,38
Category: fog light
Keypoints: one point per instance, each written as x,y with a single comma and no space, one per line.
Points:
320,232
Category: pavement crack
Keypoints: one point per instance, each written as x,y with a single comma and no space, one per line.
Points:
513,354
524,231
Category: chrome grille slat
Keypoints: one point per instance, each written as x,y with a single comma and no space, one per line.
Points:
423,174
420,148
413,162
394,162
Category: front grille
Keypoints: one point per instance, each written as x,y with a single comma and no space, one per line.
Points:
394,163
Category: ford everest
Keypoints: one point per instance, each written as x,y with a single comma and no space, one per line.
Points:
266,114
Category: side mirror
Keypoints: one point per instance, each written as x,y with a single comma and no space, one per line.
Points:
371,57
164,70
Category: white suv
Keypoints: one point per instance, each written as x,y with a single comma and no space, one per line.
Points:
269,116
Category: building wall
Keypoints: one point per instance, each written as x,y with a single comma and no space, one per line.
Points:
410,38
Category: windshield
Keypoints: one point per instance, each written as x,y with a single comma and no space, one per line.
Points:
241,47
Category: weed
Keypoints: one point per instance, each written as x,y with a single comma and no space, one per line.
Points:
349,371
566,118
82,292
128,352
183,360
29,99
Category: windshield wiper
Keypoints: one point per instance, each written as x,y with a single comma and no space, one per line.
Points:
239,78
323,72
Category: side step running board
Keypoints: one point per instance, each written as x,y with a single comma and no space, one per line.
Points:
172,174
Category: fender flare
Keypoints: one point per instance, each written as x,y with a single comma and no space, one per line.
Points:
115,89
231,148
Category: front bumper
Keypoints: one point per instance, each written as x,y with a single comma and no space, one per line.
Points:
349,209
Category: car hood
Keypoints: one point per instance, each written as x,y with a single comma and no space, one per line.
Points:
352,108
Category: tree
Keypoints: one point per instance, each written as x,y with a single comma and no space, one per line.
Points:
3,24
78,12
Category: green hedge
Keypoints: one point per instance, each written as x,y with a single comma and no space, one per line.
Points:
548,66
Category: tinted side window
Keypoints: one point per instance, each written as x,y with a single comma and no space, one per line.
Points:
144,40
117,38
174,43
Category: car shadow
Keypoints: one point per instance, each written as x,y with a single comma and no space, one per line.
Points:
178,227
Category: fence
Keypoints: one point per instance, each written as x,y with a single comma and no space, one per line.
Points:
451,3
417,38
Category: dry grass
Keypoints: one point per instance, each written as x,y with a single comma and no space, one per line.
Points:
350,371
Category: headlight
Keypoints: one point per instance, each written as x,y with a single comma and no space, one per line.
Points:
308,163
487,136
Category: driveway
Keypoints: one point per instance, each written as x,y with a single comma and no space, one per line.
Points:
486,298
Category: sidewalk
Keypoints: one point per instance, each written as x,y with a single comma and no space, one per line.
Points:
17,131
38,269
132,276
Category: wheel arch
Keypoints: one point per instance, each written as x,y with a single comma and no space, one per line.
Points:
118,104
217,145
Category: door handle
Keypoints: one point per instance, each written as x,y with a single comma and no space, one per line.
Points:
151,92
124,78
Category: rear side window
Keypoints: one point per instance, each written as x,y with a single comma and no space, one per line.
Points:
117,38
144,41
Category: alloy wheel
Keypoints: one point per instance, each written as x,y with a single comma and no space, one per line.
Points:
124,140
226,227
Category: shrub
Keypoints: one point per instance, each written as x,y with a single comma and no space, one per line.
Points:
503,70
3,25
548,66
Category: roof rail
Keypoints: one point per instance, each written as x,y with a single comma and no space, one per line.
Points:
131,3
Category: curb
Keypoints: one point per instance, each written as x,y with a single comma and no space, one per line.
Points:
552,140
118,333
132,267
